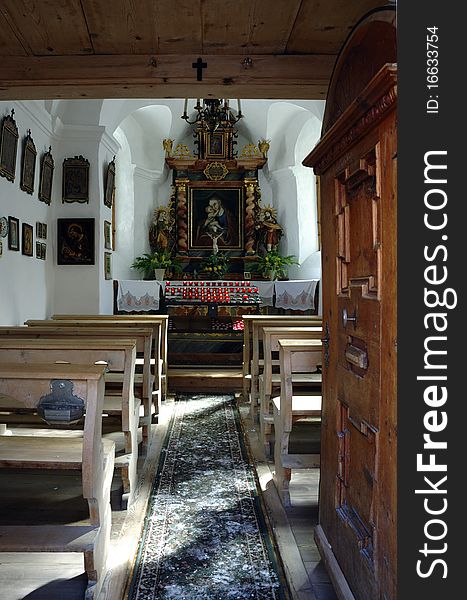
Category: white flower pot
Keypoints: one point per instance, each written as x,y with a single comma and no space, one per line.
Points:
160,274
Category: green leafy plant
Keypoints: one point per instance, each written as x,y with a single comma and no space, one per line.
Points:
161,259
215,265
273,265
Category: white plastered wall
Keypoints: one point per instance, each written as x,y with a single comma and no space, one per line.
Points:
26,283
133,130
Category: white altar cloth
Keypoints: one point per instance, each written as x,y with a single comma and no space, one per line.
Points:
266,291
296,294
137,295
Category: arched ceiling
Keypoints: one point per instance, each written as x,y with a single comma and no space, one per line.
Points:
144,49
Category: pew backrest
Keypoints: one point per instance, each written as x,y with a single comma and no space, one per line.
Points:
295,356
159,322
28,385
119,355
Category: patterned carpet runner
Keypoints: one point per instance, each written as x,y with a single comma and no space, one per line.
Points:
205,538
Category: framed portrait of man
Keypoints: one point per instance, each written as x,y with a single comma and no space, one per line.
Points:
215,218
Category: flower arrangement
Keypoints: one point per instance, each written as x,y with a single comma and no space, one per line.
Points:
273,265
215,265
161,259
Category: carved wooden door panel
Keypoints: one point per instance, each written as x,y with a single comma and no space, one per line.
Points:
356,162
355,360
358,235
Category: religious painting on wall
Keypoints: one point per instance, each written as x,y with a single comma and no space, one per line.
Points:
13,233
107,235
109,186
76,180
215,218
107,265
27,240
46,177
8,147
75,241
28,164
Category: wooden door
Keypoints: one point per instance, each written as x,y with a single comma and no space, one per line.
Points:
356,163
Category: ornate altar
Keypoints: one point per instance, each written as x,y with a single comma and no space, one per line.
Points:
214,227
215,205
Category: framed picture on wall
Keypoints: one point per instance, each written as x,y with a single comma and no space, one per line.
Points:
46,177
27,242
13,233
28,164
107,265
75,241
215,215
38,249
107,235
76,180
109,184
8,147
43,251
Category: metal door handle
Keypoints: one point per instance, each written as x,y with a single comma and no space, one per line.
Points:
346,318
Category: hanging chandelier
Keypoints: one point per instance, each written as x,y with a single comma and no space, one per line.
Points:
212,114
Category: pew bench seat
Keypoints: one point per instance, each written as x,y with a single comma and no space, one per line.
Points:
44,452
117,378
48,538
302,405
305,378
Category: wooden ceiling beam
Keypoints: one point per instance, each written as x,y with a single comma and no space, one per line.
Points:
164,76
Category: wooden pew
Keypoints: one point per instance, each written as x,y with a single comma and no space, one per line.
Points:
91,455
155,361
142,336
267,379
119,356
295,356
253,325
160,324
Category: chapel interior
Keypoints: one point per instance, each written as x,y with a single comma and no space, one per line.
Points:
176,265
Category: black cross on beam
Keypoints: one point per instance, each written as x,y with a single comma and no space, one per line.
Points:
199,65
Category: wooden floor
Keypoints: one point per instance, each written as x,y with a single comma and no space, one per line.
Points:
293,527
61,577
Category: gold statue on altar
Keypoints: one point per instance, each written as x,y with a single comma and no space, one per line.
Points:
167,144
160,229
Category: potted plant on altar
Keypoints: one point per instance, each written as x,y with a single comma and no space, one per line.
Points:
215,266
274,266
155,265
